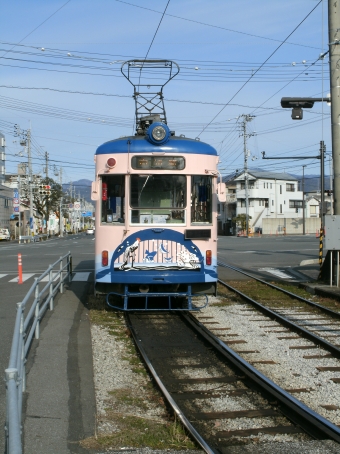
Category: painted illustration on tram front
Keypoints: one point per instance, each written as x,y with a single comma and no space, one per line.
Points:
156,254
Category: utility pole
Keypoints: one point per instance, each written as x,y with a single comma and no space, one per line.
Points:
46,169
245,120
334,73
47,198
30,179
303,201
322,171
61,220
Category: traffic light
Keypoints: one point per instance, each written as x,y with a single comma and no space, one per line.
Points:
44,189
297,113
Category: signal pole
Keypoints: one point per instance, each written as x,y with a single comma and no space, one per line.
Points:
334,58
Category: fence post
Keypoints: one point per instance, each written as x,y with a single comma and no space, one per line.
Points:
13,436
69,267
22,368
37,308
61,278
51,287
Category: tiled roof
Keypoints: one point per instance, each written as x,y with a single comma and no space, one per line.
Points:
261,174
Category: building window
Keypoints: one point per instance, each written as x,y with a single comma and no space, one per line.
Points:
280,188
6,203
271,185
250,185
290,187
272,203
264,185
280,208
295,204
243,203
313,209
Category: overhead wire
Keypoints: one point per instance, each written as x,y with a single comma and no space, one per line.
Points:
210,25
258,69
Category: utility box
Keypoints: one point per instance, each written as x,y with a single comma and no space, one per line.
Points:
332,232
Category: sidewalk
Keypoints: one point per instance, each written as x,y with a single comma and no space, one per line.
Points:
60,401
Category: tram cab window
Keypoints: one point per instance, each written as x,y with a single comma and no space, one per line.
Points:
201,199
112,199
157,199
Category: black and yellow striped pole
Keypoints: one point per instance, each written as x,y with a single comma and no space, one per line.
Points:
321,249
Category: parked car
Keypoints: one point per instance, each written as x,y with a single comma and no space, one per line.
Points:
4,234
90,231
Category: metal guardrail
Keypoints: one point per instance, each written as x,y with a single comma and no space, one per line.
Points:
24,330
33,238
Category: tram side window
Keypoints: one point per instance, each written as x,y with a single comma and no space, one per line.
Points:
201,199
113,196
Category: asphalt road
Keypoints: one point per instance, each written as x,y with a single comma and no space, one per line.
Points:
277,257
259,255
36,257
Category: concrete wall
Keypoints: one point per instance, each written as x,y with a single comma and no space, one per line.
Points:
293,226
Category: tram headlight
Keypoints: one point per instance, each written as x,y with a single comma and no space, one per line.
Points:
158,133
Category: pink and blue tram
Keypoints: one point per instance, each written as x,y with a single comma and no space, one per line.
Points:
156,219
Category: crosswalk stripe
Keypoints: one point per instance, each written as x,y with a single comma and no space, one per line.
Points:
25,276
55,277
80,277
276,272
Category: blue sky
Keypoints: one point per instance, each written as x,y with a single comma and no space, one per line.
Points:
236,57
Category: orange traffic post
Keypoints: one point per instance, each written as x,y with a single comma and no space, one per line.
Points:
20,269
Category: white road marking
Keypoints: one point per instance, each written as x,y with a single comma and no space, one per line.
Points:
47,278
2,275
80,277
25,276
276,272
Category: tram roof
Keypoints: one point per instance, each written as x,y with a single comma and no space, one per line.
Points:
139,144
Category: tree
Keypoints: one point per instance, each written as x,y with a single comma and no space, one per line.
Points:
241,220
44,204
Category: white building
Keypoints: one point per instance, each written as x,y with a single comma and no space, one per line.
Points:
270,196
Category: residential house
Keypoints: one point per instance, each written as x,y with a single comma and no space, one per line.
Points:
271,196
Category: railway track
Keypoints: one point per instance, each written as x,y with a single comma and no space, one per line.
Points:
310,320
222,399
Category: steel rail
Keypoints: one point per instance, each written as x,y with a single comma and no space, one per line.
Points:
177,411
291,325
300,298
311,422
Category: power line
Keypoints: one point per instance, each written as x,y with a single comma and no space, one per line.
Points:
214,26
36,28
258,69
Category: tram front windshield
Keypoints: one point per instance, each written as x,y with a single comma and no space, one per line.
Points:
157,199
